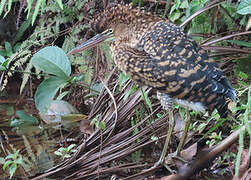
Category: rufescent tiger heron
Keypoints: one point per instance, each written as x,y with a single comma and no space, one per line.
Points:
157,53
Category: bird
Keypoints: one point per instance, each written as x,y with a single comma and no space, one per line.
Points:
157,53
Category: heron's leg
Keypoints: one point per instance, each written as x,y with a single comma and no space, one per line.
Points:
161,161
167,103
184,134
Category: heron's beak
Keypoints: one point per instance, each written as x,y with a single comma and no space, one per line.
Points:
89,43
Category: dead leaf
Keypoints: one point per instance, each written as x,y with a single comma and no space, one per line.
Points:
188,153
85,126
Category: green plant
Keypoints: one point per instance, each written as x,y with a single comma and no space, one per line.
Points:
8,51
246,122
55,63
65,152
146,98
39,7
99,124
244,7
214,139
11,162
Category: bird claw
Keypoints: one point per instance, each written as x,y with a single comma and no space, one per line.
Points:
175,155
161,162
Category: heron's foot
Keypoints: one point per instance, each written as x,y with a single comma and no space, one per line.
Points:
176,156
161,163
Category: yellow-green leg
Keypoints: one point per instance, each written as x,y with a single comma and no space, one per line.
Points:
184,134
161,161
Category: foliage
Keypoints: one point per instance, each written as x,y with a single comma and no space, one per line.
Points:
65,152
11,162
39,7
244,7
55,25
247,124
51,60
99,124
23,120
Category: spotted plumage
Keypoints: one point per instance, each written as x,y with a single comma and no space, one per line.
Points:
159,54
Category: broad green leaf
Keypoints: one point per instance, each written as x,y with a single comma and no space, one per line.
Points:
53,60
244,7
46,92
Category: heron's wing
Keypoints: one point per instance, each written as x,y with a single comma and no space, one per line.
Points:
167,60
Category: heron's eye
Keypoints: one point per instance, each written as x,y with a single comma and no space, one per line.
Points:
110,31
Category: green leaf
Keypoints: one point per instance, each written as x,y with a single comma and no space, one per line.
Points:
241,43
25,25
24,119
2,60
7,163
123,78
8,48
71,146
36,11
46,91
102,125
2,3
184,4
10,156
2,160
67,156
145,97
60,4
19,160
12,169
174,16
243,75
53,60
128,93
94,120
58,153
244,7
62,95
9,8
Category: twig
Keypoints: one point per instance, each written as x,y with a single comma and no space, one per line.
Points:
226,37
220,48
